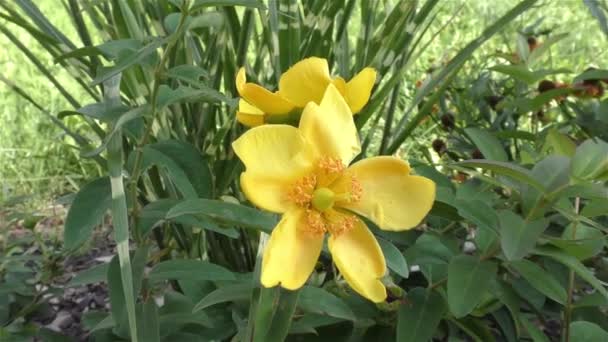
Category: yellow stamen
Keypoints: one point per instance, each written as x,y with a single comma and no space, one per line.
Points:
339,223
316,223
301,192
329,165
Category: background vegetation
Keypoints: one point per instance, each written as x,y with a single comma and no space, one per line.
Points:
127,107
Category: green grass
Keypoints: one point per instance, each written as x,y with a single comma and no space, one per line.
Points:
36,158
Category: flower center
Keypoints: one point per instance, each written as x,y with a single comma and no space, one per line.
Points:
320,192
323,199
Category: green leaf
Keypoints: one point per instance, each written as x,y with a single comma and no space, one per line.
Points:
541,280
559,143
573,264
517,236
87,211
490,147
187,168
524,74
189,269
198,4
478,212
468,279
582,331
419,317
506,169
593,74
132,59
317,300
225,293
308,322
95,274
168,96
581,241
544,47
154,214
224,212
394,258
535,333
590,160
188,73
147,321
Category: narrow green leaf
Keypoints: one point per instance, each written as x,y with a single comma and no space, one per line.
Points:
581,241
225,212
133,59
95,274
225,293
147,321
317,300
573,264
541,280
189,269
535,333
168,96
506,169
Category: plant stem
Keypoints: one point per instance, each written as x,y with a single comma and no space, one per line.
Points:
158,72
568,309
120,221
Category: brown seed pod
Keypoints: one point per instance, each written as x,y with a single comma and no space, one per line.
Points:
439,146
546,85
448,121
493,100
532,43
476,154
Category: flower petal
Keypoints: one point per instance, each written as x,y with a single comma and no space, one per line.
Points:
291,253
275,156
330,127
274,151
305,81
391,197
340,84
359,258
249,115
359,89
264,99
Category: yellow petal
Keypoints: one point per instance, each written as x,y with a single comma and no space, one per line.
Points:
291,253
250,120
359,258
265,100
305,81
391,197
249,115
277,151
275,156
359,89
330,128
340,84
268,193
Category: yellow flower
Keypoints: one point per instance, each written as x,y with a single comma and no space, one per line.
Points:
304,82
302,173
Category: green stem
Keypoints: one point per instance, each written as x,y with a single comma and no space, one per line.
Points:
158,72
120,221
568,309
